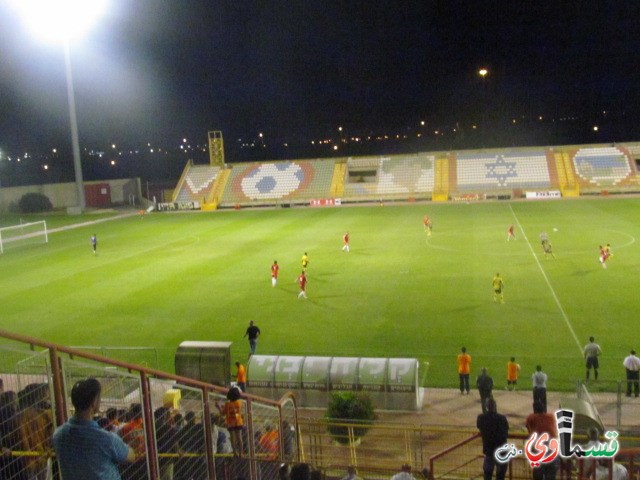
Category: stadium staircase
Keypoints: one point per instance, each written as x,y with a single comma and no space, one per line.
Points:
213,200
337,183
441,187
569,186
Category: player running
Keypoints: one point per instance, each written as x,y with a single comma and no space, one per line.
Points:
345,241
498,285
510,233
275,268
305,262
547,248
604,255
302,281
428,227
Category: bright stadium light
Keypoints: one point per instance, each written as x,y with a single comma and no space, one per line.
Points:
61,21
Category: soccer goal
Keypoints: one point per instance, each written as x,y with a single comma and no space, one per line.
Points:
23,234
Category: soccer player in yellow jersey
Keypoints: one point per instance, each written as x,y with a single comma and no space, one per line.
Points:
305,262
498,285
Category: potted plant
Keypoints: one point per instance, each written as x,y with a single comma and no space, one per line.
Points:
349,407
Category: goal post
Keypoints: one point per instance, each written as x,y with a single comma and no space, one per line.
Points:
25,233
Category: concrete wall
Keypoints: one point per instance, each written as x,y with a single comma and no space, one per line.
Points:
63,195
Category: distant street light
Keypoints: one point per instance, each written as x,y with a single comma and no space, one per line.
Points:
60,21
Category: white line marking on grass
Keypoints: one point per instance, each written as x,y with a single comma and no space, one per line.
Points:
546,279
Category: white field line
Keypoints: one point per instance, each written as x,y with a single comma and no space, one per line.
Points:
546,279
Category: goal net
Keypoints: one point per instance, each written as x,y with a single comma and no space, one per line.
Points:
23,234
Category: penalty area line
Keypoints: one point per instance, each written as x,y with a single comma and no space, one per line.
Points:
546,279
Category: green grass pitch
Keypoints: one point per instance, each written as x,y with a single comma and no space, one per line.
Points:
165,278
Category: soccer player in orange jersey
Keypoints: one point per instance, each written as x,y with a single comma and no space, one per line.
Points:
510,233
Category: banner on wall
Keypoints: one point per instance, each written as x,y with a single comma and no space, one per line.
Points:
543,194
169,206
325,202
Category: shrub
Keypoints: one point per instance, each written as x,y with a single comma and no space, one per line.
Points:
34,203
352,408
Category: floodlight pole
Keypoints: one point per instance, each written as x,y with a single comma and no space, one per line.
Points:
75,140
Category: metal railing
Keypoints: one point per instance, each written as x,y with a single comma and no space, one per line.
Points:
173,422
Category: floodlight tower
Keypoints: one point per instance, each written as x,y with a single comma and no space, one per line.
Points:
483,73
62,21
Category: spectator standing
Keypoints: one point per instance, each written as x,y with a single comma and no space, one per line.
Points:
485,386
252,333
232,411
632,366
541,422
494,429
513,370
539,379
241,377
83,449
464,369
591,353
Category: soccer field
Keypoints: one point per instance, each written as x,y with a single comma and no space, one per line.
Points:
164,278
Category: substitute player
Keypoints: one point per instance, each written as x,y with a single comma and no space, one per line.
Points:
513,370
498,285
274,274
345,242
510,233
302,281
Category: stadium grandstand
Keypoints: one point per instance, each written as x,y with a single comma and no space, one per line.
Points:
566,171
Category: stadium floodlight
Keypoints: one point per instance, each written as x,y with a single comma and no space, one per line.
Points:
64,21
60,20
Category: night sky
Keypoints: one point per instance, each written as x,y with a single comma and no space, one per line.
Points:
160,70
